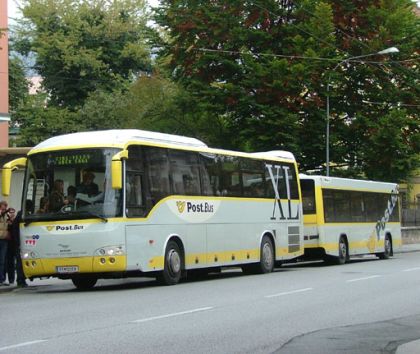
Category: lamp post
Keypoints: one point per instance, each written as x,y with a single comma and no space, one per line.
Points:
327,137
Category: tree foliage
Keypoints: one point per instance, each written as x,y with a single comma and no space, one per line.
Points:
263,66
18,84
85,45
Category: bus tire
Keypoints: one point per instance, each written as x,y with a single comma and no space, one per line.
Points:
172,269
387,248
266,263
267,258
343,251
84,283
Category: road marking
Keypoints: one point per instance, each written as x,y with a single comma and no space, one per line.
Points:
172,315
22,344
411,269
365,278
289,292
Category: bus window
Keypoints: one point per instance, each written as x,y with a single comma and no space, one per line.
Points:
280,170
230,182
253,178
209,177
342,206
357,207
308,196
158,172
327,198
135,195
184,172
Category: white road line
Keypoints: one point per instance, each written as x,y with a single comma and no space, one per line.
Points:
172,315
22,344
289,292
411,269
365,278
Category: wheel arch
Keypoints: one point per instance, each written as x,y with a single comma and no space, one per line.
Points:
177,239
271,235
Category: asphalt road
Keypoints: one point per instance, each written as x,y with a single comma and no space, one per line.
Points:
367,306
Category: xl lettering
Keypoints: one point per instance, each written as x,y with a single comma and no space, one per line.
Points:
275,171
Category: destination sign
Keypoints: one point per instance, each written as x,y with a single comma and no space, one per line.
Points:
75,158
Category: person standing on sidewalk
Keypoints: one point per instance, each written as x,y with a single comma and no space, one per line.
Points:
15,235
10,270
4,236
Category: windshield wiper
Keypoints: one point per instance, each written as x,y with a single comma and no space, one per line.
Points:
98,216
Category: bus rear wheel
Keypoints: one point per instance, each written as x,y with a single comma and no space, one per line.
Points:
267,255
387,248
266,264
84,283
343,251
172,269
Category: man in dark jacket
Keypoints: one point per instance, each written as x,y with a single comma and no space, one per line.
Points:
15,233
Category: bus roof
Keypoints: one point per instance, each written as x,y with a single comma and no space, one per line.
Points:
119,138
115,138
350,184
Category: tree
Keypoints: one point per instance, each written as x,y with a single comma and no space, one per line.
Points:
238,59
18,84
85,45
38,122
264,66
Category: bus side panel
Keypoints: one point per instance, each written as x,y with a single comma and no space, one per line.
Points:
360,240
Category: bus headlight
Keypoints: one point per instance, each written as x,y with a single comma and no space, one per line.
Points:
29,255
110,251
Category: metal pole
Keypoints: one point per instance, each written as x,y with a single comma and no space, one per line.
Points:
327,136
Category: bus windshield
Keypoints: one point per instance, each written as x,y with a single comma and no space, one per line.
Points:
70,184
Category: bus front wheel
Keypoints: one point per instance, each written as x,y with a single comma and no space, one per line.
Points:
172,269
84,283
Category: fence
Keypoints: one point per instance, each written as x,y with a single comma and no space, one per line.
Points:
410,217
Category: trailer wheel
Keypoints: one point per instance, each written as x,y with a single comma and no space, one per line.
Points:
387,248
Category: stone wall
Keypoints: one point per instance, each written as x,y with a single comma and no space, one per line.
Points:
410,235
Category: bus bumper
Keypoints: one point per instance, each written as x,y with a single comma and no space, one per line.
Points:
65,267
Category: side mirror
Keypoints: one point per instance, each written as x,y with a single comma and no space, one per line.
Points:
116,169
6,173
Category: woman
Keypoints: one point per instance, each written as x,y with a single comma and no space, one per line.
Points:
4,236
56,200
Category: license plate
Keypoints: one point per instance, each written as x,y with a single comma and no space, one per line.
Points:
67,269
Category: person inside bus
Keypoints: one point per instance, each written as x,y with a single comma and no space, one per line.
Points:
85,198
88,186
56,200
43,206
71,194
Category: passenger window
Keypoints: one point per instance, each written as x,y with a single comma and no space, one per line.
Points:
308,196
135,195
184,172
157,173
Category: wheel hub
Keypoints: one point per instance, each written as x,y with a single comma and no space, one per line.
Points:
174,261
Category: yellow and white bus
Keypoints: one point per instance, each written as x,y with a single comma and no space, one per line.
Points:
122,203
347,217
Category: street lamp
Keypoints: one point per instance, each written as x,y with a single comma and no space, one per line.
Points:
382,52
